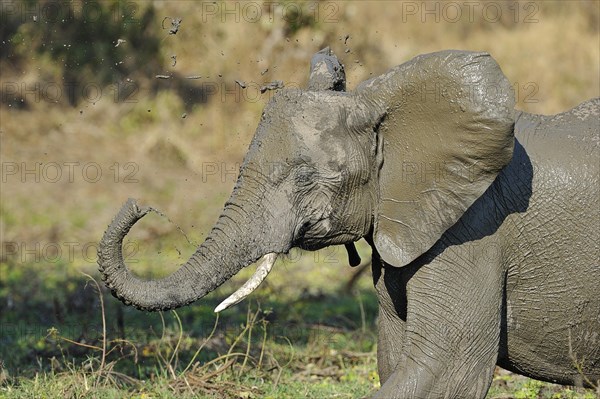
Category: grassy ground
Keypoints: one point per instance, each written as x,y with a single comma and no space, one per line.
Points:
278,345
175,144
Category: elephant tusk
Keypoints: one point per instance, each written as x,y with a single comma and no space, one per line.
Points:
262,270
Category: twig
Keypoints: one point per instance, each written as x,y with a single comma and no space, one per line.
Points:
158,351
362,313
262,348
250,320
53,331
218,371
234,354
237,339
103,313
579,365
203,344
178,340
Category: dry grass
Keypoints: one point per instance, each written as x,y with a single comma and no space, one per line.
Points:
559,55
553,63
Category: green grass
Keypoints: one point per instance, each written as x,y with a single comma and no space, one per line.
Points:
54,343
275,349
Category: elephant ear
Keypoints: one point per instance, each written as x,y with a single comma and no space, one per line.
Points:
447,131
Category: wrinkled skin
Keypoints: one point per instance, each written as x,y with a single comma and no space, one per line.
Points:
525,296
483,221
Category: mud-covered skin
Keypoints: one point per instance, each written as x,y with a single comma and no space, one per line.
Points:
485,247
552,303
527,255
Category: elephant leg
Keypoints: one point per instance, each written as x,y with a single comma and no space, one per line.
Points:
452,329
392,317
389,345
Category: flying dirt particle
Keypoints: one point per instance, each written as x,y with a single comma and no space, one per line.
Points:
277,84
193,77
241,83
174,58
265,71
346,38
163,77
120,41
175,23
183,116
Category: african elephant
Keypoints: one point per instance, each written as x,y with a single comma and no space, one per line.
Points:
483,220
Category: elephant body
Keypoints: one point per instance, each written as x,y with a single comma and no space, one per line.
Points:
484,222
552,253
535,311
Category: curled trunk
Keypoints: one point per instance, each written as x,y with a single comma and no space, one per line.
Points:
224,252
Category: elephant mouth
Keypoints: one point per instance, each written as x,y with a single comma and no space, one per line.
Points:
321,233
312,233
308,235
263,269
301,232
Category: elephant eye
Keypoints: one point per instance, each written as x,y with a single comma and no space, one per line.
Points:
305,176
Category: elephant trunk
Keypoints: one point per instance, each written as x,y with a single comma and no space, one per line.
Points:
224,252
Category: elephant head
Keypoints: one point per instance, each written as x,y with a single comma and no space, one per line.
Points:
397,160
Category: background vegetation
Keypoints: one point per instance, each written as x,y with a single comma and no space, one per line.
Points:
106,100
